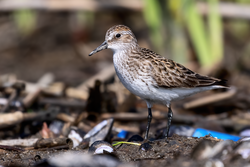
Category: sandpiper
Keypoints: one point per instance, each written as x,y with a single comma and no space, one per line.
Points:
151,76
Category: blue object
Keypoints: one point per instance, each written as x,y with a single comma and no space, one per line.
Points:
123,134
199,132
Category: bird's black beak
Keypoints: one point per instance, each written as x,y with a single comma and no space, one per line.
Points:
103,46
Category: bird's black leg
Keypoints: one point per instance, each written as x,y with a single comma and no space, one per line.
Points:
149,121
170,115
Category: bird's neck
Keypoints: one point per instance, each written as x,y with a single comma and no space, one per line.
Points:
125,51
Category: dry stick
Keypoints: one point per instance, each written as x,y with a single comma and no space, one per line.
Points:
35,143
34,90
63,103
10,119
55,89
11,148
41,143
31,97
80,117
19,142
214,98
14,118
76,93
41,115
66,118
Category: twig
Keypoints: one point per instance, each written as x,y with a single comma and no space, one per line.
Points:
63,103
19,142
214,98
10,119
54,142
11,148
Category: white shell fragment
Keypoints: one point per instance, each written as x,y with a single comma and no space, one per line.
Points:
100,150
101,147
75,137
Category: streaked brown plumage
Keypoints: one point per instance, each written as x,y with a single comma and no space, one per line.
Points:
170,74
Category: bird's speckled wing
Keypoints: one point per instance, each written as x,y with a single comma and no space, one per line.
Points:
169,74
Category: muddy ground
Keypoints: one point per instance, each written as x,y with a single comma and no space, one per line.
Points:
177,151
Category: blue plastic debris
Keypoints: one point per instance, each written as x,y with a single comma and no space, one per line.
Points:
199,132
123,134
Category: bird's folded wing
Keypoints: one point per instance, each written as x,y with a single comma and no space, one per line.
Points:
169,74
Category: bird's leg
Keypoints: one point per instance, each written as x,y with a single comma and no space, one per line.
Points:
170,115
149,121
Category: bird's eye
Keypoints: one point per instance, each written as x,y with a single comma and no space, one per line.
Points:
118,35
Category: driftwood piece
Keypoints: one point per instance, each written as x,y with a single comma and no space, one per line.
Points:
63,103
80,117
11,148
77,93
211,99
19,142
10,119
66,118
55,89
31,97
206,100
41,143
41,115
42,83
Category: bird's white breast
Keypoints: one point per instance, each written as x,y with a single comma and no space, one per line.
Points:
130,79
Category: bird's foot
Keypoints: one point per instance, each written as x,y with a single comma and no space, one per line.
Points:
145,146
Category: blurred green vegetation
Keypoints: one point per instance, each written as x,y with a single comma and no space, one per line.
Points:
25,20
206,37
